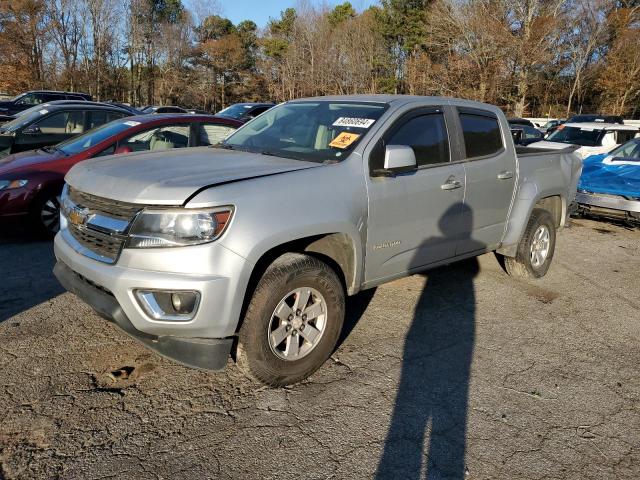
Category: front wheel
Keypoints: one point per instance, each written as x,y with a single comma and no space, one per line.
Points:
293,321
45,214
536,247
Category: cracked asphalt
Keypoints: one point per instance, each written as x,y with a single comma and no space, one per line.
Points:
462,373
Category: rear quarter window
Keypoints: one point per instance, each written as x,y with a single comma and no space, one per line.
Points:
481,134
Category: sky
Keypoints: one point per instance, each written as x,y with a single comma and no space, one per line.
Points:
260,10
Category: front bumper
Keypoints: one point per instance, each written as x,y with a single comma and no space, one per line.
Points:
608,205
209,354
220,275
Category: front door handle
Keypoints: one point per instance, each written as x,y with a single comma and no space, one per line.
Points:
451,185
505,175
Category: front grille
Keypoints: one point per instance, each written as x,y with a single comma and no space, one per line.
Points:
113,208
106,247
100,245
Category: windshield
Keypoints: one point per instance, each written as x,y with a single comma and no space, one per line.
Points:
310,131
586,137
235,111
18,97
24,119
95,136
630,151
149,110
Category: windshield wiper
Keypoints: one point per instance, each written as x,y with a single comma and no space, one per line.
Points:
53,148
226,146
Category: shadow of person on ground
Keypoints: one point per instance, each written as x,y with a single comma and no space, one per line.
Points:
26,265
431,402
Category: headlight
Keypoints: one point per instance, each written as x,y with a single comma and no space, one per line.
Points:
176,228
9,184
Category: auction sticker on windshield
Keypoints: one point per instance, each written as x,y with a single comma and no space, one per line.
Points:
344,139
131,123
353,122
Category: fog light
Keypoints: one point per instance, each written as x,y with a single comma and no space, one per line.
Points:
183,302
169,305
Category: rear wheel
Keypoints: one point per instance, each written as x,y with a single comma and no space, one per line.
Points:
293,321
45,214
536,247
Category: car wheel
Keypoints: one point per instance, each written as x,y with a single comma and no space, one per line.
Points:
45,214
293,321
536,247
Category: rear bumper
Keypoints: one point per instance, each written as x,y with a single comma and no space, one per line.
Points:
205,353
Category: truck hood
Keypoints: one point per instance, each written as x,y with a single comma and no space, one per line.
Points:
546,144
170,177
583,151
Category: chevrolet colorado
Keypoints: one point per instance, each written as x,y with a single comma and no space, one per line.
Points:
250,247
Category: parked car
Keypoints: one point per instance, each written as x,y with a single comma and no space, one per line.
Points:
551,125
590,118
245,111
31,182
163,109
54,124
255,243
520,121
524,134
7,118
29,99
592,138
610,184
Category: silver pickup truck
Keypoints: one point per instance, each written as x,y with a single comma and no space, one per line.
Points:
249,248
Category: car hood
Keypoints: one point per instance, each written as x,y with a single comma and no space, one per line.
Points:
601,175
25,160
172,176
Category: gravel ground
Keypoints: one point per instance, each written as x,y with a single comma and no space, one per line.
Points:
464,373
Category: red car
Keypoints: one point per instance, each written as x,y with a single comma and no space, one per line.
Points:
31,182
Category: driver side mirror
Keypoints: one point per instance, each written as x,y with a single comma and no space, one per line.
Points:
399,159
32,130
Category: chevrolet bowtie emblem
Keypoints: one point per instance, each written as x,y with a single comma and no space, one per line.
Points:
78,217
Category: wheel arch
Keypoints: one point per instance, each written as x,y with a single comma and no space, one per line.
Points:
338,250
528,200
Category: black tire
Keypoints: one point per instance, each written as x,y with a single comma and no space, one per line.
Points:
255,355
522,265
44,215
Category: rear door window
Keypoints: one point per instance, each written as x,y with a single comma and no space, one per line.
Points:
481,134
160,138
62,123
214,133
427,136
623,136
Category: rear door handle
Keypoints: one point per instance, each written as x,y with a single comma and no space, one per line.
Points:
505,175
451,185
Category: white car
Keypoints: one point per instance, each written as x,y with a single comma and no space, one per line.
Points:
593,137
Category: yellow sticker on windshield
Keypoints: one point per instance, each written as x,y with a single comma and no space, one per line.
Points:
344,139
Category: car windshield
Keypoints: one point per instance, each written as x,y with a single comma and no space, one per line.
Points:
311,131
24,119
93,137
630,151
550,124
586,137
149,110
18,97
235,111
